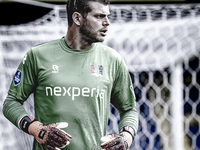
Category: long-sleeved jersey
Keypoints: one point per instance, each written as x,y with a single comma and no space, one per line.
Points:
73,86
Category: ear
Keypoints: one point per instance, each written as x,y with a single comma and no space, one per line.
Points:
77,17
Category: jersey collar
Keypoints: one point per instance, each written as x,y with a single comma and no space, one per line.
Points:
65,47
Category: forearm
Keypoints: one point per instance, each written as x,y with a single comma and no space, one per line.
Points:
129,118
13,110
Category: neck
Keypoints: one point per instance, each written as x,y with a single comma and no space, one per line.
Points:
75,40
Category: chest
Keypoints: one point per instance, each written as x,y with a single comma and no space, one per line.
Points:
75,75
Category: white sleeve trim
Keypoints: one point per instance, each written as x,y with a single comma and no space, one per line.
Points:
19,122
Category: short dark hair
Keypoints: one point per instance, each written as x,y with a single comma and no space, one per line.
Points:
81,6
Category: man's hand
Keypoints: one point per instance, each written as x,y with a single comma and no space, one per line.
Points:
50,135
115,142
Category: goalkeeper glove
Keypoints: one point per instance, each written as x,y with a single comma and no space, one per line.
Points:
114,142
49,135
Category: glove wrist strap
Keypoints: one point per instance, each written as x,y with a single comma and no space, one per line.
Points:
25,123
129,130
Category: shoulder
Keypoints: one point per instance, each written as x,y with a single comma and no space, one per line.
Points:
109,52
42,52
110,57
47,46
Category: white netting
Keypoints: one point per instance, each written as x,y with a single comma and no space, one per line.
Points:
154,40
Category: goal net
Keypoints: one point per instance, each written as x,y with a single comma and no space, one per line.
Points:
160,45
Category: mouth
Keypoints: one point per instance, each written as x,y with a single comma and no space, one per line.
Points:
103,32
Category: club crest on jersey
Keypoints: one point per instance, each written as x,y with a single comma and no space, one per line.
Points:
17,77
96,70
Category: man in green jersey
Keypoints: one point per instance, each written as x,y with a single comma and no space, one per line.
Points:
74,79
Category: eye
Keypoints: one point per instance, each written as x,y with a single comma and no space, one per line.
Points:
100,16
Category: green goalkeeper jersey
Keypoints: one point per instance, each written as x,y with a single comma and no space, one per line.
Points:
73,86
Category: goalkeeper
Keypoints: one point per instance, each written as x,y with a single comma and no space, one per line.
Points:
74,79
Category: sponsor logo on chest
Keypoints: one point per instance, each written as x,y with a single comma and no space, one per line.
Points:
74,92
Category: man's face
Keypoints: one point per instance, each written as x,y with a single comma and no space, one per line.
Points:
95,25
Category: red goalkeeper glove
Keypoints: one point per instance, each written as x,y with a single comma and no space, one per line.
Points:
49,135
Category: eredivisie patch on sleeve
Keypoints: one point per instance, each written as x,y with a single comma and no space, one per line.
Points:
17,77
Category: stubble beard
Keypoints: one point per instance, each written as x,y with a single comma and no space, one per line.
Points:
88,34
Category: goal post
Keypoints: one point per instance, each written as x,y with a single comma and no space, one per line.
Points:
177,108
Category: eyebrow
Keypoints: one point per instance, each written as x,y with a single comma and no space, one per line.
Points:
102,14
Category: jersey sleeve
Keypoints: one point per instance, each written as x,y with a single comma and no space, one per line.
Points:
23,84
123,98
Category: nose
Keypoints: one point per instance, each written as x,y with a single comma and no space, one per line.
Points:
106,22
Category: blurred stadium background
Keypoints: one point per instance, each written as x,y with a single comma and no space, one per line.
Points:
160,42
